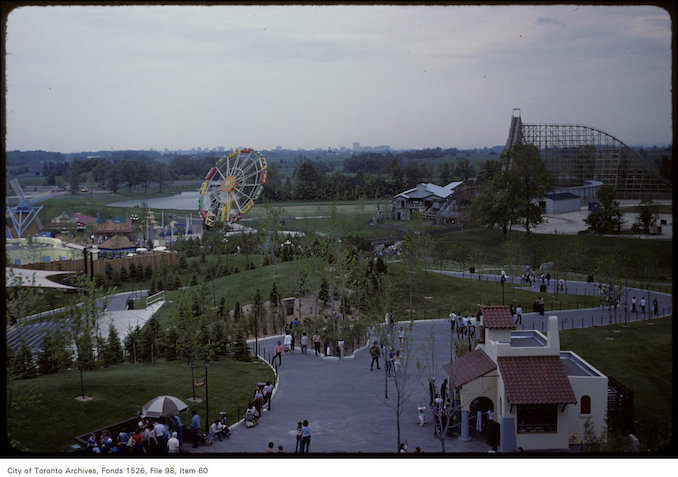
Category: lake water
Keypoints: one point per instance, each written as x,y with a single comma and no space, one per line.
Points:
182,201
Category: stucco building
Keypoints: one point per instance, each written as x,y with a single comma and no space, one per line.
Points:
540,396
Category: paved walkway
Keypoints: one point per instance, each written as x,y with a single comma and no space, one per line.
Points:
345,405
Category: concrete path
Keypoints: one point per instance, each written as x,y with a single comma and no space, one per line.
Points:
345,403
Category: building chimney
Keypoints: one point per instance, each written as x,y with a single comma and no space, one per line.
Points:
553,333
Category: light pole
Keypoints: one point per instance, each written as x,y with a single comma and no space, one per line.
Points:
256,331
207,400
502,280
192,377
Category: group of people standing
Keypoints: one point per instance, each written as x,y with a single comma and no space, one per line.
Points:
287,345
163,436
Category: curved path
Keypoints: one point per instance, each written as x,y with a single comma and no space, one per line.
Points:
344,401
345,405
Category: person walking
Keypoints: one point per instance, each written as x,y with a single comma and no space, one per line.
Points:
195,428
268,393
541,306
443,391
305,437
375,352
431,390
258,400
316,343
304,343
519,315
401,337
642,305
633,304
288,343
655,307
277,353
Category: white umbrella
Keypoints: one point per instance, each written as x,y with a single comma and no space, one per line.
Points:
163,406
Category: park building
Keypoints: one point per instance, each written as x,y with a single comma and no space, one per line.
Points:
540,396
436,204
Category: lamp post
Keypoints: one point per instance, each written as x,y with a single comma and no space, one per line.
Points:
502,280
256,331
207,400
192,377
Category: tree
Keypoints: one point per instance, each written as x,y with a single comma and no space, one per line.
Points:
55,354
24,364
113,353
497,205
405,384
412,250
608,218
240,349
307,182
529,180
272,227
463,171
610,285
647,217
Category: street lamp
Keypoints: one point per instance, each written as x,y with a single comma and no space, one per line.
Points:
502,280
207,400
256,331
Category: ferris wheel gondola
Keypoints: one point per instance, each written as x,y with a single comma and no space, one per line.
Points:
231,186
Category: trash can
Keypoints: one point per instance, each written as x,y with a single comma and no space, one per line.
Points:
542,288
130,304
472,269
589,278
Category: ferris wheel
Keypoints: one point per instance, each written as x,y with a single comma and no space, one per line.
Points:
231,186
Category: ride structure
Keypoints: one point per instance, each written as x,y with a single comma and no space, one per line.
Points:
22,215
231,187
576,154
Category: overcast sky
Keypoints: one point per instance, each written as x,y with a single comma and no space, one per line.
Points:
98,78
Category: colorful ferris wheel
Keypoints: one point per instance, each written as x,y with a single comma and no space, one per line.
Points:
231,186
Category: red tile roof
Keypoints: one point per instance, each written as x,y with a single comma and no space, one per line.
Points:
469,367
497,316
535,380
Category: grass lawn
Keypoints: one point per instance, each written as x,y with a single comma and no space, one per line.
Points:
44,416
434,295
640,357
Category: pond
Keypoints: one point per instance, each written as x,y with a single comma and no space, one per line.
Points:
182,201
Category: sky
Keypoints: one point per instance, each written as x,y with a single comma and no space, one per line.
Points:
178,77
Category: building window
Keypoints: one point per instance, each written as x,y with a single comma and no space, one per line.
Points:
585,405
537,418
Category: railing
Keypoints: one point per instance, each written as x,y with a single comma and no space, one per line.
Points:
160,296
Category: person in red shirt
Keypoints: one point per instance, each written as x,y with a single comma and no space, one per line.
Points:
277,353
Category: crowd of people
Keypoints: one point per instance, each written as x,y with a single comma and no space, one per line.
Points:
157,437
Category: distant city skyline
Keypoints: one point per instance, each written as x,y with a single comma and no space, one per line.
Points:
95,78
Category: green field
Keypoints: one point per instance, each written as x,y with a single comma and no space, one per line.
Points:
44,416
640,357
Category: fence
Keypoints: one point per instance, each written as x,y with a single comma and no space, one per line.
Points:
155,259
590,320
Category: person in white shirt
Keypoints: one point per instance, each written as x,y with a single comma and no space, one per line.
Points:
173,446
340,345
